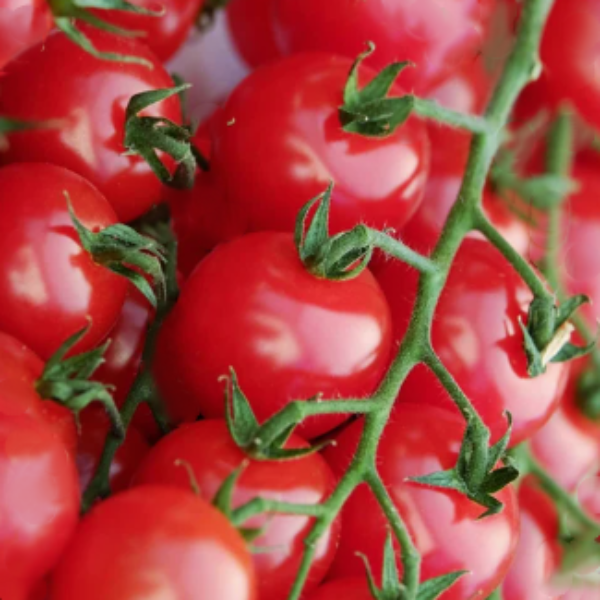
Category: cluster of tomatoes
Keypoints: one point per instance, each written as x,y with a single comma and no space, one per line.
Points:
69,181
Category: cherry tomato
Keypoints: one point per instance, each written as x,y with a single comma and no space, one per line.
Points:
538,553
250,26
569,52
444,524
39,504
164,34
288,112
288,334
94,427
152,542
50,287
353,588
20,368
476,334
23,23
437,36
307,480
85,114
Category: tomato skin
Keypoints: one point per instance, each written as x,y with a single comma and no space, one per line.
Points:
164,35
288,111
352,588
50,287
437,39
23,23
308,480
249,23
569,47
444,524
476,334
39,504
20,368
94,427
86,113
154,541
288,334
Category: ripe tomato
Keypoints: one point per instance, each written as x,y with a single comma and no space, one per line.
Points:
23,23
85,114
20,368
437,36
476,333
539,552
307,480
164,34
94,427
151,542
444,524
288,112
50,287
569,50
353,588
39,504
250,26
288,334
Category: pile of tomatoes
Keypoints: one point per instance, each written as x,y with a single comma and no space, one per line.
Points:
170,527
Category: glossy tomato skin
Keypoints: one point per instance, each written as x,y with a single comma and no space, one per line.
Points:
444,524
252,304
164,34
50,287
39,504
251,28
288,111
152,541
307,480
86,114
437,37
569,47
23,23
20,368
476,334
352,588
93,430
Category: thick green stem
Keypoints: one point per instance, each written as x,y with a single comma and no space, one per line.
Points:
396,249
430,109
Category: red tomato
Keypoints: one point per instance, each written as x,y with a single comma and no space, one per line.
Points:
539,552
279,142
476,334
92,435
20,369
353,588
250,26
164,35
570,52
288,334
23,23
307,480
437,36
444,524
39,504
86,111
50,287
154,542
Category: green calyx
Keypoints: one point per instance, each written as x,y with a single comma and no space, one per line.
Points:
244,428
67,381
548,333
68,12
125,252
478,484
369,111
144,136
391,586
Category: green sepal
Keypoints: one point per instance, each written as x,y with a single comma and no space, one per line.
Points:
190,475
67,381
588,392
433,588
125,252
310,239
144,136
10,125
368,111
546,336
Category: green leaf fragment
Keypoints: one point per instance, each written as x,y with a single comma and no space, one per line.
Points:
435,587
243,425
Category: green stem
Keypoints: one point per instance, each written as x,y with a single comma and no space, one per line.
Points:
258,506
430,109
398,250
